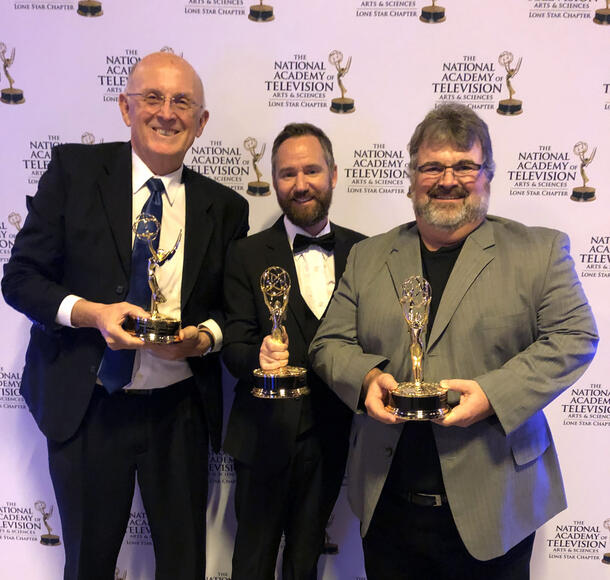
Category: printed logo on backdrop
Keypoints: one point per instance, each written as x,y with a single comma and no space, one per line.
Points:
90,8
578,540
300,82
224,163
471,81
216,7
7,238
594,260
583,192
258,187
606,93
114,72
341,104
55,6
329,548
20,523
586,406
221,469
509,107
386,8
261,12
138,530
9,95
432,14
570,10
48,539
606,556
119,574
10,381
377,170
542,173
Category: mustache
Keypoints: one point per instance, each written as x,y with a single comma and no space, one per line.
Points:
439,190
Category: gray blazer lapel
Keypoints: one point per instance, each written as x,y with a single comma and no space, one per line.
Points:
115,189
404,259
475,255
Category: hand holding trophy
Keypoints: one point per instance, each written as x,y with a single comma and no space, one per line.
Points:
287,382
417,400
156,328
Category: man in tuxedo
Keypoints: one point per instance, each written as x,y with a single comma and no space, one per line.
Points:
112,407
289,454
509,329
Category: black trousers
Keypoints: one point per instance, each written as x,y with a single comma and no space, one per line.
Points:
161,439
411,542
296,501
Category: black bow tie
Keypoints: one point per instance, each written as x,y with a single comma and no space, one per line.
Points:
326,242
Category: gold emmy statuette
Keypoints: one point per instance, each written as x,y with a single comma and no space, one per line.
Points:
15,220
417,400
602,15
118,575
89,8
583,193
48,539
287,382
154,328
257,187
432,14
341,104
509,106
10,95
606,556
261,12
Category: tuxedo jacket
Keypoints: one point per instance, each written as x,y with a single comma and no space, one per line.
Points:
77,240
262,433
514,318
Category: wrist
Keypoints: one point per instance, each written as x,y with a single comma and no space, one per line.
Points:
205,330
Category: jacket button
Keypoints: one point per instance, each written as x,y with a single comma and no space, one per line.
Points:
119,289
388,451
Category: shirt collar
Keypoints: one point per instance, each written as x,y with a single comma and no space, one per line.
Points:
292,230
140,174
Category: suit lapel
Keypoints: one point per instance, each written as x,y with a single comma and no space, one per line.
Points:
404,258
198,231
475,255
115,190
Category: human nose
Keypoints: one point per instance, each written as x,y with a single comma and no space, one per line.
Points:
301,183
448,178
166,109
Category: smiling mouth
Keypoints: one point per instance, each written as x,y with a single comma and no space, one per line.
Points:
165,132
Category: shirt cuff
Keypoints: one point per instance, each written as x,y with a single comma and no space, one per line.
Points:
213,327
64,312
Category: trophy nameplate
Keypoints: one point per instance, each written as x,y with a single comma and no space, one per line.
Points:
417,400
286,382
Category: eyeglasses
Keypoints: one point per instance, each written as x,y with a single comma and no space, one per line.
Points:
154,101
460,169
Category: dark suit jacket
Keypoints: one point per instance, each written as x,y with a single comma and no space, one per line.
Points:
77,240
262,433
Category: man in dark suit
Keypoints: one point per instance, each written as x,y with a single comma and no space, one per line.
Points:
111,406
289,454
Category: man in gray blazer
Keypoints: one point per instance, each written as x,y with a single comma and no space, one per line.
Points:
509,330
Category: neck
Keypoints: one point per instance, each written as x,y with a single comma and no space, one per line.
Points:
316,228
435,238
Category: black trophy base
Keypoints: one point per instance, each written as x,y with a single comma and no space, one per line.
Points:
606,558
583,194
12,96
510,107
261,13
432,14
602,16
49,540
89,8
157,330
286,383
342,105
258,188
411,402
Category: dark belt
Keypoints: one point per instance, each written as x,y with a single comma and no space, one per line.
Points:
426,499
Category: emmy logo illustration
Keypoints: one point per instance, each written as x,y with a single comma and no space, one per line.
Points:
432,14
118,575
341,104
48,539
88,138
15,220
602,15
258,187
583,193
261,13
606,556
509,106
10,96
89,8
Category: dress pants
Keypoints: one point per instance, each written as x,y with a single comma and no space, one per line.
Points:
161,438
296,501
412,542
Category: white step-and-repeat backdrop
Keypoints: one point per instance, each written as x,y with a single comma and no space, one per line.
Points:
64,63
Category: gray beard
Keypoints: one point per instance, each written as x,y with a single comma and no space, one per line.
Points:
470,212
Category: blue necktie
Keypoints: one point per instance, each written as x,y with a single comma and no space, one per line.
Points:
116,367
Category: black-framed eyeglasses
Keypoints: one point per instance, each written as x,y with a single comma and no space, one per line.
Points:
154,101
435,170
